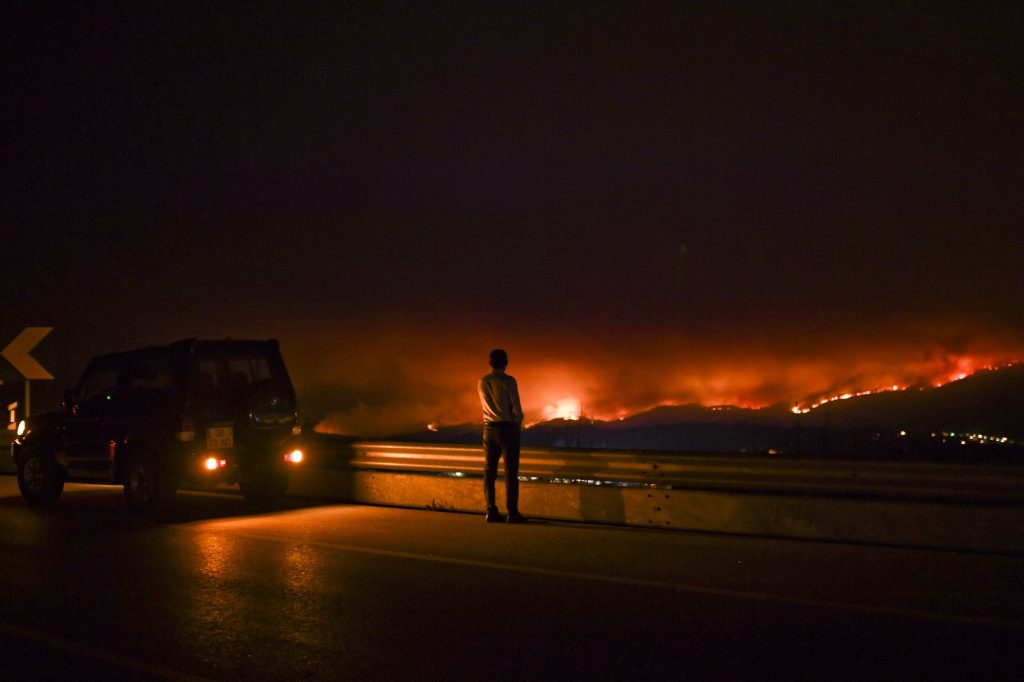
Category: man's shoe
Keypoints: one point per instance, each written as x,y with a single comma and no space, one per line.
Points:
494,516
516,517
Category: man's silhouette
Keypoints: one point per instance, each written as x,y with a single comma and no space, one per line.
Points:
503,415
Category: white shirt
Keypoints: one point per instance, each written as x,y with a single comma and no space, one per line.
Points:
499,398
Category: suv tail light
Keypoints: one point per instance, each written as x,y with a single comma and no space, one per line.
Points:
186,430
214,463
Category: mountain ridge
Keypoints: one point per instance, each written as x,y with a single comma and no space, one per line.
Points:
956,420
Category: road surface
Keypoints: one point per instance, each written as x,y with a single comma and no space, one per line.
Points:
317,592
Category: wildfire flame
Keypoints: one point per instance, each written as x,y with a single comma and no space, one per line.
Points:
953,369
801,409
965,368
567,408
614,387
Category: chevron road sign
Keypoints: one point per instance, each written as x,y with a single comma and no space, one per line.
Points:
17,352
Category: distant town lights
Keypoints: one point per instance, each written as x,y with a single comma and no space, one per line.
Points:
981,438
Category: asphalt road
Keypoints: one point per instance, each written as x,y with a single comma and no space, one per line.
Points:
91,591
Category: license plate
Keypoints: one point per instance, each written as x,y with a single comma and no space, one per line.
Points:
220,437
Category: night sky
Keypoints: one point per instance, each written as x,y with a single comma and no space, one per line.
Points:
644,203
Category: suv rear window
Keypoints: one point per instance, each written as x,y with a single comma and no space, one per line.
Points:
230,372
233,379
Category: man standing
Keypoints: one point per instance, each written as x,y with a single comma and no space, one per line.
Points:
503,415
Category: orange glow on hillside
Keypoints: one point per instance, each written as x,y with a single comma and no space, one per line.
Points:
379,386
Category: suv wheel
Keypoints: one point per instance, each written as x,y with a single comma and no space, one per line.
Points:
39,477
264,484
148,486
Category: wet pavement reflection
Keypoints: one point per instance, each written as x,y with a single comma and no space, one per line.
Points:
341,592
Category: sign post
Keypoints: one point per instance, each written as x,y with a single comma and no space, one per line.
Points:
17,352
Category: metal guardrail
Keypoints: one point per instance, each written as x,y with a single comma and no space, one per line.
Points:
989,484
951,506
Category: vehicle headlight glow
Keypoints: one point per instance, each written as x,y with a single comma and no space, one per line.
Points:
295,456
211,463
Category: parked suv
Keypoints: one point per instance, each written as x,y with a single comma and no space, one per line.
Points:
193,413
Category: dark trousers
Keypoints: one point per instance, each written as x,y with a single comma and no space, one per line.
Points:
501,439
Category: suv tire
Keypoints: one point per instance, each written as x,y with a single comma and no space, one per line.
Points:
149,486
39,477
